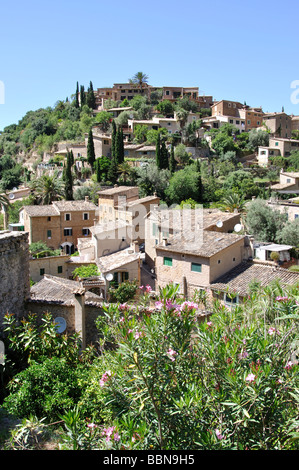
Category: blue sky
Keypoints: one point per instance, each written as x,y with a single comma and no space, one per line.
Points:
243,51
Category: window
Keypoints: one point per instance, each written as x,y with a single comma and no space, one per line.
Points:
288,180
49,234
237,122
85,231
59,269
231,121
68,232
49,219
229,105
296,216
167,92
196,267
85,216
234,259
276,143
248,122
42,271
167,261
231,299
258,123
219,261
67,216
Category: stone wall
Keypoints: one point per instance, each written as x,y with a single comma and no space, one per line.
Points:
14,269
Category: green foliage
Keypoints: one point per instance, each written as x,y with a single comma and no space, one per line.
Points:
150,179
90,149
40,250
183,185
68,178
86,271
47,389
124,292
264,223
227,383
289,234
165,107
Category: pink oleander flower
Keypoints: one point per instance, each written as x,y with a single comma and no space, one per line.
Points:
171,353
116,437
209,323
289,365
250,378
281,299
272,331
121,320
219,435
92,426
148,288
123,306
159,305
279,381
141,287
243,354
130,331
105,377
137,334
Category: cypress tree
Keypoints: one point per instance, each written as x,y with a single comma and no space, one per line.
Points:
164,156
113,138
77,96
172,162
90,150
82,96
68,184
90,98
158,153
199,182
120,150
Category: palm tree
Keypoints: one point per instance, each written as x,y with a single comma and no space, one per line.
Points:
48,188
125,171
4,203
233,202
140,79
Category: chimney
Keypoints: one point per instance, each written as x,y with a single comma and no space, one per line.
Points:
80,315
86,198
136,246
164,241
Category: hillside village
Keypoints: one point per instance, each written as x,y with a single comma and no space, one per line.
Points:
119,194
133,127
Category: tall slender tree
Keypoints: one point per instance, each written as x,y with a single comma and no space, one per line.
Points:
164,156
77,96
199,182
158,152
82,96
172,161
90,97
68,178
90,150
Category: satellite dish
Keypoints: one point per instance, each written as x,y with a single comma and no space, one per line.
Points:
11,196
60,324
237,227
15,189
219,224
109,277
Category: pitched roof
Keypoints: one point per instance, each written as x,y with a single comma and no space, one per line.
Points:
200,243
115,190
40,211
56,290
74,205
116,260
239,278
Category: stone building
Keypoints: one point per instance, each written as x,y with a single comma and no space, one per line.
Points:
14,268
69,303
60,224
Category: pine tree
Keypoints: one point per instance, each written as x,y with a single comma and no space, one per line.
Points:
90,150
172,162
113,138
77,96
90,98
158,153
68,177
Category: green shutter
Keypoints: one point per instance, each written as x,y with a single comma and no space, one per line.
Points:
49,233
196,267
59,269
167,261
